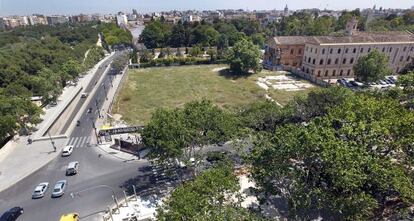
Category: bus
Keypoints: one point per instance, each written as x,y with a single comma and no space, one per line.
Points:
70,217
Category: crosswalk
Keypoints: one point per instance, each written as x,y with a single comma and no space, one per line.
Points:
79,141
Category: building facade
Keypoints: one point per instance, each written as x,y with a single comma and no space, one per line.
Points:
330,57
335,57
284,52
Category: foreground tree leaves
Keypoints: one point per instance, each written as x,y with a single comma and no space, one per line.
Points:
353,163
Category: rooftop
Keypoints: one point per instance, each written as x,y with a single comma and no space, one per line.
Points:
358,37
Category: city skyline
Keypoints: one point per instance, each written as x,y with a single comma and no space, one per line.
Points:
49,7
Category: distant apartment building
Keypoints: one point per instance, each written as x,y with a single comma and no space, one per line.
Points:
121,20
57,19
187,18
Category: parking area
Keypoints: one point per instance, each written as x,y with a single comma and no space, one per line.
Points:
387,82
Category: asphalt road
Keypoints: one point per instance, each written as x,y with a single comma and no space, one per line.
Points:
94,170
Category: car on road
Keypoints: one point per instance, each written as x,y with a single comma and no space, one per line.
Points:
69,217
90,110
72,168
84,95
77,123
12,214
59,188
40,190
67,151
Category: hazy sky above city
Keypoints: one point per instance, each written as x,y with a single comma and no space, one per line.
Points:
26,7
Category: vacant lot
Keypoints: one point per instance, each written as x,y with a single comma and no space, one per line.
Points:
148,89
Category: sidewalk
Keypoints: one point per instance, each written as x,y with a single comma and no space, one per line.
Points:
19,159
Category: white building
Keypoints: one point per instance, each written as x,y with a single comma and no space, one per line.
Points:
121,20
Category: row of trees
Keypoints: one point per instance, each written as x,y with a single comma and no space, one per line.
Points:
222,34
113,35
334,153
39,61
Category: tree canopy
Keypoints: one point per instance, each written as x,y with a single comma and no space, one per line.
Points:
349,161
244,57
207,197
372,67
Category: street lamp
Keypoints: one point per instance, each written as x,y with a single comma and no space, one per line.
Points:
51,141
74,194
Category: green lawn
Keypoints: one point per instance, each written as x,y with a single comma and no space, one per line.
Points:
151,88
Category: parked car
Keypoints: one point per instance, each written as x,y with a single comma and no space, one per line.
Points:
59,188
67,151
353,83
12,214
382,82
84,95
388,81
392,80
72,168
40,190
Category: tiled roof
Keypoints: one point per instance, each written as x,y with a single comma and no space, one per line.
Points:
359,37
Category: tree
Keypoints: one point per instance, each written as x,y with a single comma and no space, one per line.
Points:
179,133
155,35
178,36
351,163
244,56
258,39
120,62
146,56
372,67
207,197
262,116
195,51
212,53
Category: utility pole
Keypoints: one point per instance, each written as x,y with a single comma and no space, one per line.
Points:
51,141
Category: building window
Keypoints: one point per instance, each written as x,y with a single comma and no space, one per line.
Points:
339,50
411,48
300,51
390,50
306,48
331,51
333,72
349,72
354,50
309,60
307,70
383,49
344,61
312,71
361,50
311,49
408,58
369,50
341,72
326,73
329,61
405,48
346,51
316,50
319,73
314,61
336,61
351,61
401,58
323,51
321,62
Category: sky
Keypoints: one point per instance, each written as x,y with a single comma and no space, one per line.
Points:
67,7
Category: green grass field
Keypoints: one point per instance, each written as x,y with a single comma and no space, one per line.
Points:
148,89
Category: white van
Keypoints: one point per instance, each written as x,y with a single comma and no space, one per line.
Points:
67,151
72,168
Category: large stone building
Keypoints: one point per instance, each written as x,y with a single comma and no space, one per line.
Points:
330,57
334,57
